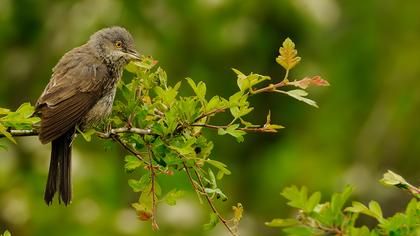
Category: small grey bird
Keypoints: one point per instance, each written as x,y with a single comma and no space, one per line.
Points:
80,93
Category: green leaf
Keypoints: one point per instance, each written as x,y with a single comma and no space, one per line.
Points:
374,209
219,165
247,81
219,194
214,220
199,89
339,199
216,103
363,231
6,233
87,135
131,163
282,222
300,231
233,131
299,94
141,184
172,196
312,202
391,178
3,130
288,55
138,66
21,118
297,198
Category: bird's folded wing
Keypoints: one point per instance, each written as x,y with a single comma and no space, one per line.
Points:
59,118
73,90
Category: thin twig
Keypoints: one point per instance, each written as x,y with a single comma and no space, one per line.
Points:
194,183
270,87
152,190
124,130
33,132
257,130
127,147
213,207
21,132
209,114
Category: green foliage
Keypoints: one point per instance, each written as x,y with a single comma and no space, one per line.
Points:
6,233
176,141
329,218
20,119
163,132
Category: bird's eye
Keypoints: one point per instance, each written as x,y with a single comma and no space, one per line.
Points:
118,44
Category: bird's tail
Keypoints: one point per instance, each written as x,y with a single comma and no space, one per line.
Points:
59,175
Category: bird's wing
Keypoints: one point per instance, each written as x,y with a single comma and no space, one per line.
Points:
73,90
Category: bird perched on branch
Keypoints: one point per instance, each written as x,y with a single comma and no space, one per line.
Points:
80,94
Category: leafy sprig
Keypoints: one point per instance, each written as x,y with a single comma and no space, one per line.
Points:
331,218
163,131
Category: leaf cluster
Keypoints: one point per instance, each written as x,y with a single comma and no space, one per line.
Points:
333,218
163,132
21,119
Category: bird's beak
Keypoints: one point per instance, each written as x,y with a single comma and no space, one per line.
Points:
133,55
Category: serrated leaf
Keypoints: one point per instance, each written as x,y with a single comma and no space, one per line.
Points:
144,212
25,110
199,89
219,165
172,196
144,63
246,82
375,208
216,103
391,178
238,211
271,127
299,94
308,81
3,130
297,198
219,194
233,131
131,163
282,222
141,184
87,135
288,55
312,202
214,220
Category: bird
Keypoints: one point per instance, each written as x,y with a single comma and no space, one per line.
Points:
80,95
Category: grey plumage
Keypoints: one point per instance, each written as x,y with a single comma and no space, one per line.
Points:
80,93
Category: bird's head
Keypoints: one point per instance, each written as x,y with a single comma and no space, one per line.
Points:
115,45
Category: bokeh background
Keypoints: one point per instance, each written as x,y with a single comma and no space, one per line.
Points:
368,120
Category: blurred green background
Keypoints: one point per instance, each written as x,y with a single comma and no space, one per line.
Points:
368,120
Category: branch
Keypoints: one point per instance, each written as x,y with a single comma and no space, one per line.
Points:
127,147
123,130
33,132
21,132
270,87
257,130
209,114
212,206
152,190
